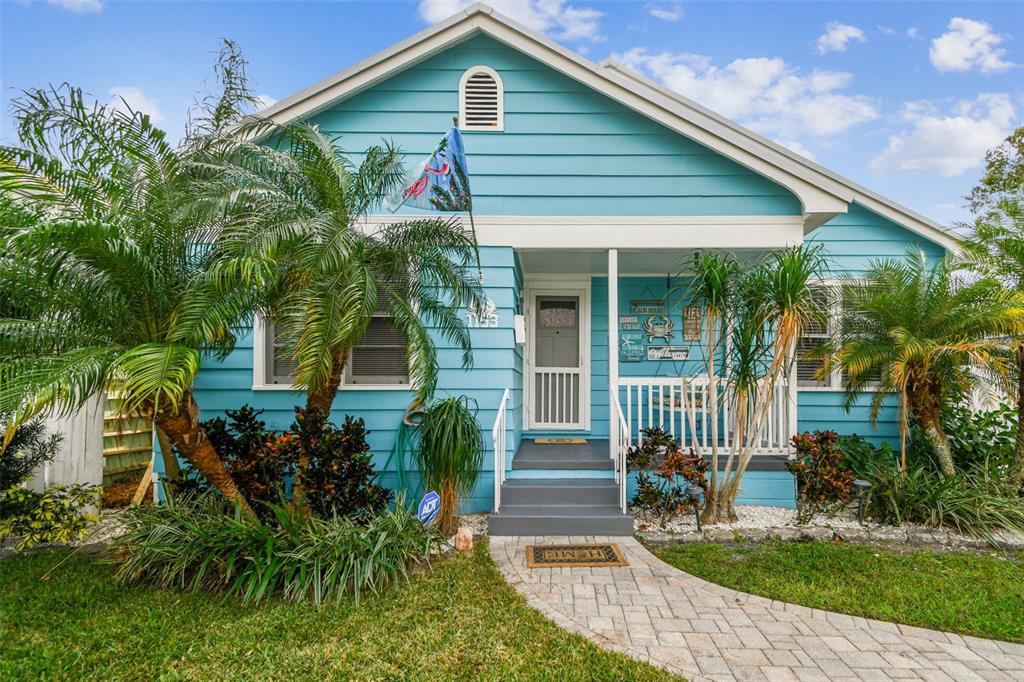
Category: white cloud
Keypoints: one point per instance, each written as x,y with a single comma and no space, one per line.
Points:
555,17
951,143
912,32
886,30
264,102
669,13
837,35
126,97
968,45
78,6
764,92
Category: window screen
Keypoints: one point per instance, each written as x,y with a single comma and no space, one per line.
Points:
380,356
280,368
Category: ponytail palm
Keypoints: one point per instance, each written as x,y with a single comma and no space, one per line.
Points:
914,327
112,286
715,280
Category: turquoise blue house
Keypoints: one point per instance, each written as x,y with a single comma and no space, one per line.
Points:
593,188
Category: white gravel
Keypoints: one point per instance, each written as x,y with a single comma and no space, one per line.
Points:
751,517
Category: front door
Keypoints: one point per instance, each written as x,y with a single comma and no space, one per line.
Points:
557,382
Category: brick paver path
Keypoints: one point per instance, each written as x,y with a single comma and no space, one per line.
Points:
657,613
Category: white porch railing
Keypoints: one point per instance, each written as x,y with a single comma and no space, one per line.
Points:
682,407
499,436
619,452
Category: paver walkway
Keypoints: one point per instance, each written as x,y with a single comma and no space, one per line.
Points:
702,631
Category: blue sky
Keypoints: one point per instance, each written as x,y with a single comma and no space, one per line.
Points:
903,97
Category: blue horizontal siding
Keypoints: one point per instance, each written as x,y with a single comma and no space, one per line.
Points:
227,384
565,149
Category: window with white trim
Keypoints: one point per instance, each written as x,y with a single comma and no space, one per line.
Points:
380,357
481,100
280,369
816,335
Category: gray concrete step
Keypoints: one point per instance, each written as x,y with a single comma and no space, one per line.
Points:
590,455
568,519
542,491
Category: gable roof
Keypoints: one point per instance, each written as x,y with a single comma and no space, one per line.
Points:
823,194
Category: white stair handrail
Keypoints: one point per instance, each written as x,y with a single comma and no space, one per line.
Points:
499,438
621,473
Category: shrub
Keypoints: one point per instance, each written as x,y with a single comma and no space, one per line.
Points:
338,481
28,449
824,482
663,494
339,478
975,502
450,454
52,516
199,542
976,437
862,458
656,444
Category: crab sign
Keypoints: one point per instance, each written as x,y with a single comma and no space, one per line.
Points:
658,327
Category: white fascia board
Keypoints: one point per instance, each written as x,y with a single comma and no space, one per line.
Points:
626,232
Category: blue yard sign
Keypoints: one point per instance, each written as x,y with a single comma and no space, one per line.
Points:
429,506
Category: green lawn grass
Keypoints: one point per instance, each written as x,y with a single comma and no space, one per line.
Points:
971,594
457,621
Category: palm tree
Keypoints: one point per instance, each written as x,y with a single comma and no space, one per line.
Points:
715,278
766,310
300,202
113,284
915,329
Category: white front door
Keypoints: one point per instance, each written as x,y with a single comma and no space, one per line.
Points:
558,367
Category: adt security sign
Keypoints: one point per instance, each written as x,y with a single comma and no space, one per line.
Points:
429,506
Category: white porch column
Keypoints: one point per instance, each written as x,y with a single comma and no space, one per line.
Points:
613,348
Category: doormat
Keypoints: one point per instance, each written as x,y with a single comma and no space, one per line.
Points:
560,441
560,556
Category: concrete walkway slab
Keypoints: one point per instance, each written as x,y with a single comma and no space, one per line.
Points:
702,631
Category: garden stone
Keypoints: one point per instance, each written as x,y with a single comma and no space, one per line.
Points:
784,534
464,539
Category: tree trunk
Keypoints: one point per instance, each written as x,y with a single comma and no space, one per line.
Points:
926,401
171,470
318,400
181,425
446,515
1017,473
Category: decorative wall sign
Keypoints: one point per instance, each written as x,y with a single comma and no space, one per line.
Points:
485,315
668,352
647,307
692,323
629,322
631,347
658,327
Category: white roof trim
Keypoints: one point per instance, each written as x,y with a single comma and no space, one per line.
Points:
823,194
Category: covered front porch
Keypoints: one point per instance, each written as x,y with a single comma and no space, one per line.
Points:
613,345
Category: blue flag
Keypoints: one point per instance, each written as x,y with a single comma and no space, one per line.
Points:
441,183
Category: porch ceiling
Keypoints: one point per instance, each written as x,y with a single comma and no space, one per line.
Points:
595,262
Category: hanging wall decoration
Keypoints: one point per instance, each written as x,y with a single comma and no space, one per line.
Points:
658,327
631,347
668,352
629,322
647,307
